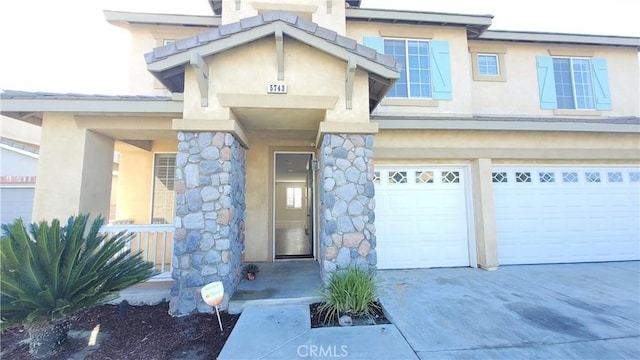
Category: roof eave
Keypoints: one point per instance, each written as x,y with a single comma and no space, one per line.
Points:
475,24
581,39
90,106
121,17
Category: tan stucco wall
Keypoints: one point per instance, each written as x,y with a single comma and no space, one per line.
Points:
518,95
506,145
74,170
135,181
143,39
310,74
328,14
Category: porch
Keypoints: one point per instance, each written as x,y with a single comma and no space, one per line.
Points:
281,282
155,241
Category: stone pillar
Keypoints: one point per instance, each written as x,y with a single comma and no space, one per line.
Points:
484,214
210,212
347,232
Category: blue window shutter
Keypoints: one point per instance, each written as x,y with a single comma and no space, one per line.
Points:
374,42
600,76
441,67
546,83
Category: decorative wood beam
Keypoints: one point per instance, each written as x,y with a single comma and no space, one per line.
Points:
350,78
280,51
201,69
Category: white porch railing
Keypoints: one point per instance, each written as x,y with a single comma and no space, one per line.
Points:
155,241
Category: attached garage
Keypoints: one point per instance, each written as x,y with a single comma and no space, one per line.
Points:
552,214
17,202
422,217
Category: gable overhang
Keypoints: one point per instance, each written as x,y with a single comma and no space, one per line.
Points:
167,63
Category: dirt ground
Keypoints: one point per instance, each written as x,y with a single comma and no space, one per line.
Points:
147,332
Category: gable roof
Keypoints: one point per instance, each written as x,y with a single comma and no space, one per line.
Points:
167,63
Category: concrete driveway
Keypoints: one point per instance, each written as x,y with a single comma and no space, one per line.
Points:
564,311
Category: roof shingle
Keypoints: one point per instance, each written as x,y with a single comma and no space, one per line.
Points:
227,30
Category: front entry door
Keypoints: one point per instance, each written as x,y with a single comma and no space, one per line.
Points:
293,206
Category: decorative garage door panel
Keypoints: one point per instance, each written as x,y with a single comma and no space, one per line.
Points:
421,217
575,214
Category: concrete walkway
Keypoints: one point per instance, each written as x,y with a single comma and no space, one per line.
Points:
576,311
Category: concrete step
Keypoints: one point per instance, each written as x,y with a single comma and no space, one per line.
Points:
237,306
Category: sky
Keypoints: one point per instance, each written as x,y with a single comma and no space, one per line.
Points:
67,46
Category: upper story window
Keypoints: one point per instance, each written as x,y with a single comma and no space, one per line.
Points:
426,69
574,89
574,83
488,65
488,62
415,77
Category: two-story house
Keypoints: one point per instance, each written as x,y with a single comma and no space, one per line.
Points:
376,138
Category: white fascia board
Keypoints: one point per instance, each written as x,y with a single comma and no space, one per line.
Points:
560,38
418,17
164,19
100,106
211,48
19,151
516,125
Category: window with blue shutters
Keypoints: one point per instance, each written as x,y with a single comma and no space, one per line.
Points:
573,83
426,71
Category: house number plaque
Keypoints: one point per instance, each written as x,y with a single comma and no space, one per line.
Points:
277,88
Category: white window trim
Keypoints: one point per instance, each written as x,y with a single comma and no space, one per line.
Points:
153,177
573,85
406,64
502,73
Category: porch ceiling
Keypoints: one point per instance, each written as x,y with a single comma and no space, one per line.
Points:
291,123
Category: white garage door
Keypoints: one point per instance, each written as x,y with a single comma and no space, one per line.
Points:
569,214
421,217
16,203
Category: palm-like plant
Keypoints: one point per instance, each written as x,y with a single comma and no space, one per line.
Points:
51,272
349,292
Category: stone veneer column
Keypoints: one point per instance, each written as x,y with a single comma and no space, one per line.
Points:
347,231
210,212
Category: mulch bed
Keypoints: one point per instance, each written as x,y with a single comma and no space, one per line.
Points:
147,332
376,318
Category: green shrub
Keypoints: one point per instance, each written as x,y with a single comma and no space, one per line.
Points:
350,292
51,272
